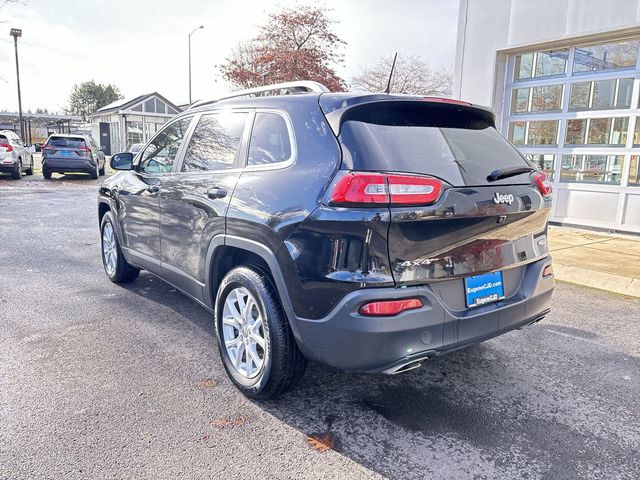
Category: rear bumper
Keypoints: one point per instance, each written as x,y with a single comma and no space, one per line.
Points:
347,340
8,167
65,165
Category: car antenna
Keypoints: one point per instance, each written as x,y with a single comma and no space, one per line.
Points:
393,67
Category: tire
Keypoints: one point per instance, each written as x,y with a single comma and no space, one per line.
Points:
46,173
95,173
29,170
101,171
281,363
118,271
17,172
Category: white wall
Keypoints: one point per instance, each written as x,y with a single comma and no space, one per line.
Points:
487,26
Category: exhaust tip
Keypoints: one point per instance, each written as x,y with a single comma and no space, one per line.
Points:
405,367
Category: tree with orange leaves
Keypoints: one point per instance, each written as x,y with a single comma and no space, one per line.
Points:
294,44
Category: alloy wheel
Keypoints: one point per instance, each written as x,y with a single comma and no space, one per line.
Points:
109,251
243,332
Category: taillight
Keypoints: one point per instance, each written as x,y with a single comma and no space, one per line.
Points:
404,189
360,188
543,183
7,146
377,188
387,308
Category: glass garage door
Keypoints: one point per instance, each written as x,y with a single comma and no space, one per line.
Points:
574,112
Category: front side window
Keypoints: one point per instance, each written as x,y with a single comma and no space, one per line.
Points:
214,142
270,142
609,56
160,154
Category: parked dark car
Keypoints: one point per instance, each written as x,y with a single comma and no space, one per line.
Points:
68,153
366,232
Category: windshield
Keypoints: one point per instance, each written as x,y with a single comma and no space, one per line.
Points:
457,147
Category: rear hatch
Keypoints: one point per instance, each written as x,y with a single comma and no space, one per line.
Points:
462,200
5,149
68,148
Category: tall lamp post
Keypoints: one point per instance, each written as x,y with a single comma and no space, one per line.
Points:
15,33
194,31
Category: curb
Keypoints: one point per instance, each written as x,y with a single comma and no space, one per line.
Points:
600,280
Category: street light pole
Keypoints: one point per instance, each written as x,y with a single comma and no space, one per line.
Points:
194,30
15,33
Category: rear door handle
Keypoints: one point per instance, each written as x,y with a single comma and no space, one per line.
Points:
216,192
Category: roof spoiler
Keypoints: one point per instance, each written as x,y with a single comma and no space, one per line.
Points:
337,117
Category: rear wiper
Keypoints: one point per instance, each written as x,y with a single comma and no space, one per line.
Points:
508,172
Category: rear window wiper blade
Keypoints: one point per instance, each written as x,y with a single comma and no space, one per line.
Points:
505,172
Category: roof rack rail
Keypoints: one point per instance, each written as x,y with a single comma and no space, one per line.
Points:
288,88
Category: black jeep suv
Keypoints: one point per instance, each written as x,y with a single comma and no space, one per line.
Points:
367,232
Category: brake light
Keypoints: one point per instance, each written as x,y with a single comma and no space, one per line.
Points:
378,188
543,183
446,100
388,308
7,146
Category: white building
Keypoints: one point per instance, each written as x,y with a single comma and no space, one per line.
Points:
564,79
117,126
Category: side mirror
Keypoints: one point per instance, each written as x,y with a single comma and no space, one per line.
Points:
102,148
122,161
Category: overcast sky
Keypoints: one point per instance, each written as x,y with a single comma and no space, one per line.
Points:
141,46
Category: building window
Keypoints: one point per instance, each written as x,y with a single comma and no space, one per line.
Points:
134,133
601,94
634,174
603,169
541,64
534,133
608,56
544,161
597,131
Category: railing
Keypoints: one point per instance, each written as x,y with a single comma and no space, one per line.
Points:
288,88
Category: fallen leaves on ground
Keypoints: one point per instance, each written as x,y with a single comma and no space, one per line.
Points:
321,443
207,383
229,422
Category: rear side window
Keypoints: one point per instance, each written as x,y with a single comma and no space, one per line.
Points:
66,142
454,145
214,142
270,142
3,139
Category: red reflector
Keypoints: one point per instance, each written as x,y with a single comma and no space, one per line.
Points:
7,146
446,100
543,183
387,308
547,271
377,188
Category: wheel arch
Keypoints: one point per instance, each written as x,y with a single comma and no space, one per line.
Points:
227,252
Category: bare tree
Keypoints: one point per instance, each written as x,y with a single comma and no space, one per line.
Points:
412,76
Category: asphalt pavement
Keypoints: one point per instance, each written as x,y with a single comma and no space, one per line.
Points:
105,381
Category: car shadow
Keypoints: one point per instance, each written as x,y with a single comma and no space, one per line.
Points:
152,288
476,413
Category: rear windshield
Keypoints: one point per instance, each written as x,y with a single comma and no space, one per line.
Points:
66,142
454,145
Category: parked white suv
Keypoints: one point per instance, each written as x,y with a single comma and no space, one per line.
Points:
15,158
